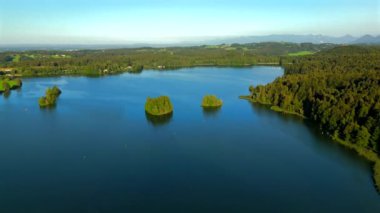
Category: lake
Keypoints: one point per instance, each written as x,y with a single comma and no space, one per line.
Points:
97,151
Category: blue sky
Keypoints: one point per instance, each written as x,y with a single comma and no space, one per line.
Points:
161,21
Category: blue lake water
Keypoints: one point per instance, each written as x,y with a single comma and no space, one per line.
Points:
97,151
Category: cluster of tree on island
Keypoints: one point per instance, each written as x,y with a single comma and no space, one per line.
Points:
211,101
162,105
50,98
7,84
337,88
158,106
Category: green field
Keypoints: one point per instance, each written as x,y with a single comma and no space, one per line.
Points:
301,53
22,57
16,58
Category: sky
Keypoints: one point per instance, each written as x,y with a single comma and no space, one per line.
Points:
165,21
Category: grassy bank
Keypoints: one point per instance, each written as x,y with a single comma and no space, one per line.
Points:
278,109
274,108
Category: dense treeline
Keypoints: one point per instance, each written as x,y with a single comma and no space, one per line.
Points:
342,59
95,62
339,88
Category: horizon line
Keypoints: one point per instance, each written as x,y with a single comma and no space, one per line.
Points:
195,40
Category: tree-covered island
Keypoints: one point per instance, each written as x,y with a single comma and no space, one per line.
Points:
7,84
158,106
211,101
50,98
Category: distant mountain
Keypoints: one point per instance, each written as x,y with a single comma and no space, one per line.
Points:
316,39
367,39
290,38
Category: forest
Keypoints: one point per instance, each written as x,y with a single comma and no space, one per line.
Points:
338,88
102,62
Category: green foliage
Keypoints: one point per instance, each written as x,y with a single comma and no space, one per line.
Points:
211,101
5,86
362,137
54,91
136,69
50,98
16,58
158,106
101,62
338,88
17,83
8,84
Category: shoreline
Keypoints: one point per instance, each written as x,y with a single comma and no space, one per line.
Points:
79,74
365,153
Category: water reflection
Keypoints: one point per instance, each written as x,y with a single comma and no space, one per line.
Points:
48,108
323,144
158,120
211,111
6,94
265,111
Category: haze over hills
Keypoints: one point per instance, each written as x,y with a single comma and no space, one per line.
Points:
291,38
367,39
315,39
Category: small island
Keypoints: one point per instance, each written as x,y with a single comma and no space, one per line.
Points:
7,84
50,97
211,101
158,106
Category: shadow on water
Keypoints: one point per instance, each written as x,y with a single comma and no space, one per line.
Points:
48,108
265,110
211,111
327,145
158,120
7,94
322,144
